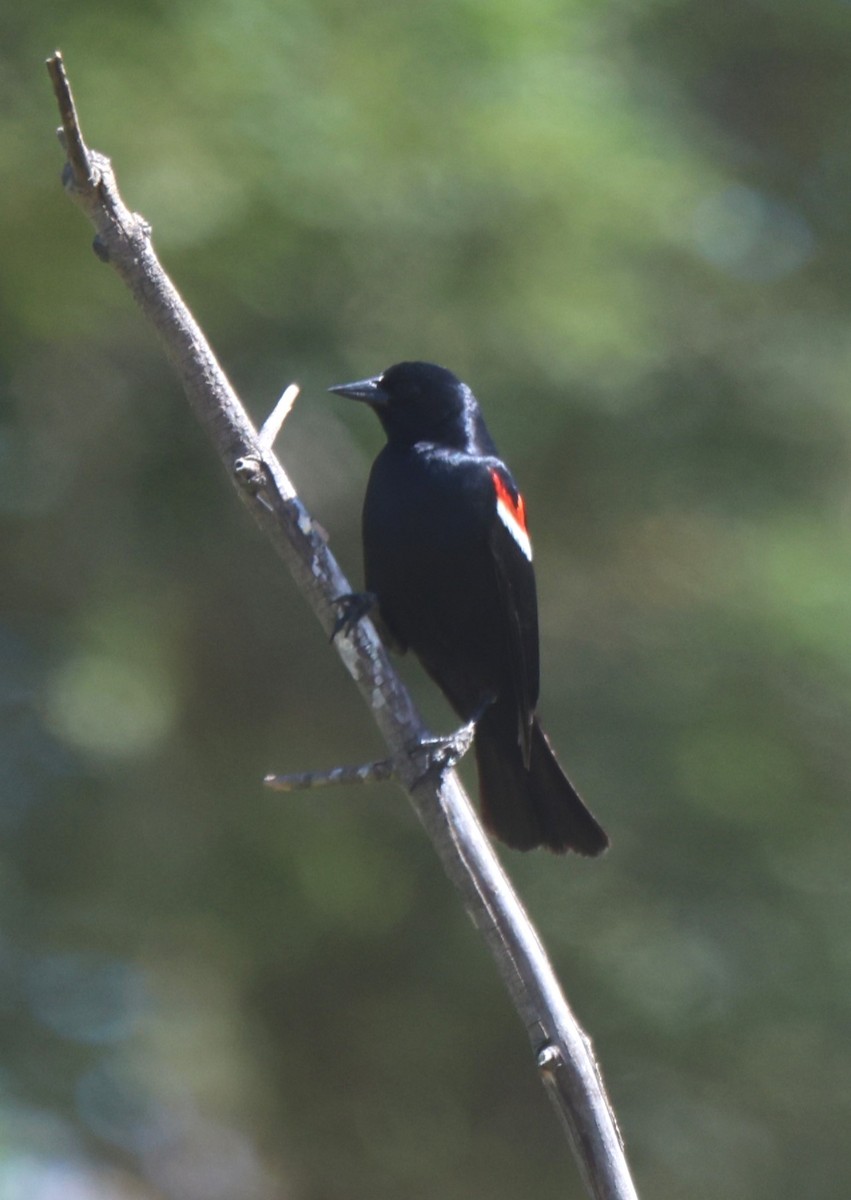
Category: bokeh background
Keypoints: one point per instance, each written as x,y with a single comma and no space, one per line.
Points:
627,226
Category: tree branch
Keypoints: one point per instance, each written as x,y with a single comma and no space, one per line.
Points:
371,772
562,1050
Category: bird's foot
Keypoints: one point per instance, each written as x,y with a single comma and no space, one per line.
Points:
353,607
444,753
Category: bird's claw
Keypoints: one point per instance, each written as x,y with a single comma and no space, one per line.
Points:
353,607
446,752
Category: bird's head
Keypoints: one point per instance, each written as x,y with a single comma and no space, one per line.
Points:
419,402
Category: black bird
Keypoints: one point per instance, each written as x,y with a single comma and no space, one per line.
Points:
447,555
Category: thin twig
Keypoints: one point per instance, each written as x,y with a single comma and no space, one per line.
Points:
271,427
562,1050
75,147
371,772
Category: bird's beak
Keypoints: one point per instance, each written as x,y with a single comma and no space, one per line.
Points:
369,391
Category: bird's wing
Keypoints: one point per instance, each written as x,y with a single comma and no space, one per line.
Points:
512,555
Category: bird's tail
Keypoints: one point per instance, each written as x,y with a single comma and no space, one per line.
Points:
534,807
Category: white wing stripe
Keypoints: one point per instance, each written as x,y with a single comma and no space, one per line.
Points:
514,527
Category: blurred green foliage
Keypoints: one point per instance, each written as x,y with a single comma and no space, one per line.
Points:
627,227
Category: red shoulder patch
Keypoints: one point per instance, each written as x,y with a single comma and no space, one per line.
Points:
516,508
512,513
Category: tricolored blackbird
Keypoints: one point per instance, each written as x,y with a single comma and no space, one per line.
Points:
448,557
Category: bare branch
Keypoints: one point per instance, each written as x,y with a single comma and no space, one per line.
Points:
71,134
562,1049
372,772
271,427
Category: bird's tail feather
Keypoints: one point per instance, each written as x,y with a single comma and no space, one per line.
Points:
534,807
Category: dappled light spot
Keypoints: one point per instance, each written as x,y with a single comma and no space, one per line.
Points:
109,707
751,235
180,1150
29,1177
86,998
